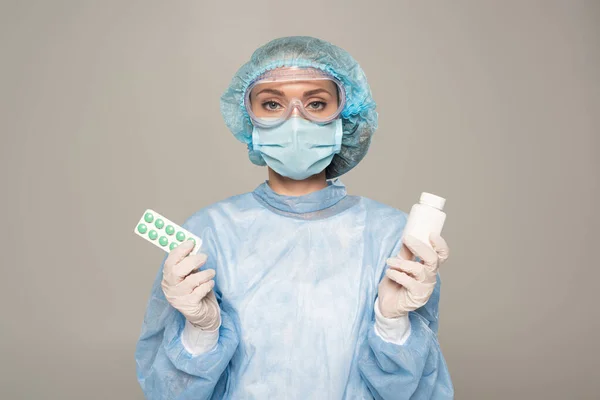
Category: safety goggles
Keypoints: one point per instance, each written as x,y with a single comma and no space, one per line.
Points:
282,93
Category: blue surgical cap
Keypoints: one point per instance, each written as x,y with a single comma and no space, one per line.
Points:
359,116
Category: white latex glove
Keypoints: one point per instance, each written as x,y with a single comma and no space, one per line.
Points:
407,285
189,290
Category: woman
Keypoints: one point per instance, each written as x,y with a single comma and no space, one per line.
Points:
295,296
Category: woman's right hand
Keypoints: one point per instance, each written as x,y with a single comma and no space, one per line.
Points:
189,290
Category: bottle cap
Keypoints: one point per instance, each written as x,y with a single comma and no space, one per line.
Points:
432,200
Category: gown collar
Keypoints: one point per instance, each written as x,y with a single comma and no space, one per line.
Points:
315,201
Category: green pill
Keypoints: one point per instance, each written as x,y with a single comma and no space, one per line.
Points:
159,223
148,217
170,230
172,246
192,240
163,241
180,236
152,235
142,228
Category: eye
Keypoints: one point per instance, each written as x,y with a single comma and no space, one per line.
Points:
271,106
316,105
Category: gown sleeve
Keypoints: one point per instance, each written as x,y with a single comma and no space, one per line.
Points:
165,369
413,370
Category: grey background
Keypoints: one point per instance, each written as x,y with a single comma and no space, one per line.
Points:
108,108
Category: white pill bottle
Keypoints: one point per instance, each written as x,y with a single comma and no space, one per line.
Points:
425,218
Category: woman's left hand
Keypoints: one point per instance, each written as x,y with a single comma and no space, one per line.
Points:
407,285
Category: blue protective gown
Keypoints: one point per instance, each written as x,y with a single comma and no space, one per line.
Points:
296,281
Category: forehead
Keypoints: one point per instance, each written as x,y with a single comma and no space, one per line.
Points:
297,88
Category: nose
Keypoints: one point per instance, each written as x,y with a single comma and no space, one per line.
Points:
296,112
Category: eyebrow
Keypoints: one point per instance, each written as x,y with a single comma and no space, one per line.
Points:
280,93
272,91
315,91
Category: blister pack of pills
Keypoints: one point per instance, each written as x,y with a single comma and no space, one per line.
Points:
164,233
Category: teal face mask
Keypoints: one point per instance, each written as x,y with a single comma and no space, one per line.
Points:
298,148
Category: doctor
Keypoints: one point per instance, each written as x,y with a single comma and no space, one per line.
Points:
302,291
